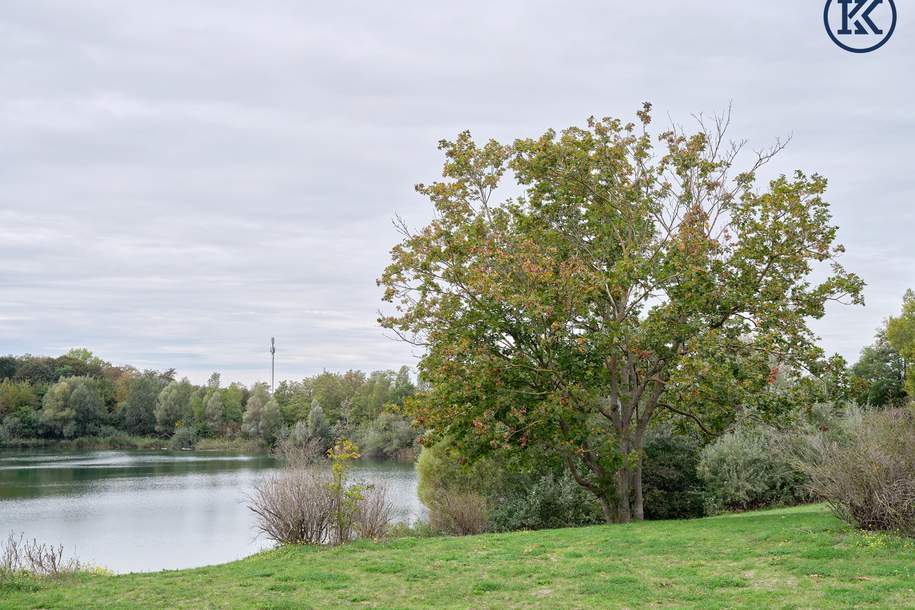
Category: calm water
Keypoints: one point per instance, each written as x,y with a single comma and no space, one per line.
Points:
141,511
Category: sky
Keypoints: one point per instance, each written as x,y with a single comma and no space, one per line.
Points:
182,180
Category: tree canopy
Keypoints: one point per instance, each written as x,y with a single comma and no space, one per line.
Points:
613,282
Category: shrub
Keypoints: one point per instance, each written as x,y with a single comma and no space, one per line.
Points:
21,556
751,467
546,502
306,504
505,493
671,485
185,437
441,468
374,513
458,513
868,477
294,506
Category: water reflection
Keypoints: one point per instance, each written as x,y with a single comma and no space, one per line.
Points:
133,511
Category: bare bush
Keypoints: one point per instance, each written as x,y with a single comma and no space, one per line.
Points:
375,513
294,506
867,476
458,513
309,505
19,555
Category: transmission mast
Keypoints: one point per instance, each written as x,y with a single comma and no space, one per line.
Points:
272,361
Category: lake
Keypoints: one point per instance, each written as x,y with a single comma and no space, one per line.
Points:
132,511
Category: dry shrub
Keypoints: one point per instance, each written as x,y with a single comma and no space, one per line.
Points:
375,513
458,513
307,505
294,506
18,556
868,477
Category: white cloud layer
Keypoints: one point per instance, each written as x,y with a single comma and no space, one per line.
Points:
181,180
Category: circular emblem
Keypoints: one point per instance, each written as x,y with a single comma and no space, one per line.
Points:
860,26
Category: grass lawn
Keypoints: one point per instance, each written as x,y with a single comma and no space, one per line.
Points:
794,558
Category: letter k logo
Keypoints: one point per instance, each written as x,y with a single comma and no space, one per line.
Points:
851,10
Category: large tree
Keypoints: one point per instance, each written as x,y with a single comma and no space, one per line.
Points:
613,283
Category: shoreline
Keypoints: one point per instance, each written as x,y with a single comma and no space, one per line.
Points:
145,443
152,443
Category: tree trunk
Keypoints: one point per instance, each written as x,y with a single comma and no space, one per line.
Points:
638,505
609,515
623,487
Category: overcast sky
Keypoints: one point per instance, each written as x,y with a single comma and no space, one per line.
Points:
181,180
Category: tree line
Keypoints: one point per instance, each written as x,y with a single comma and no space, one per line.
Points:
79,395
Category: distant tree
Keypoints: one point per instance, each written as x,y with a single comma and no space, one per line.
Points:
233,398
138,411
88,408
78,363
84,355
72,407
213,381
57,418
173,406
331,390
271,424
14,396
35,370
294,399
317,425
8,366
878,378
121,378
198,407
215,413
254,408
385,436
403,386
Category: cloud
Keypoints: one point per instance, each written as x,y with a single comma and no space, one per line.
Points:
181,181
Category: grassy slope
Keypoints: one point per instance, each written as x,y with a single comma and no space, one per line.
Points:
796,558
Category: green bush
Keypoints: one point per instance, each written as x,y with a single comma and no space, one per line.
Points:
752,467
23,423
184,437
508,495
671,486
546,502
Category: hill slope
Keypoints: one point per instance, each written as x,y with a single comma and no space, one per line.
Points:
798,558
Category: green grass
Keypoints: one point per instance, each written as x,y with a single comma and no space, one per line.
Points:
793,558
